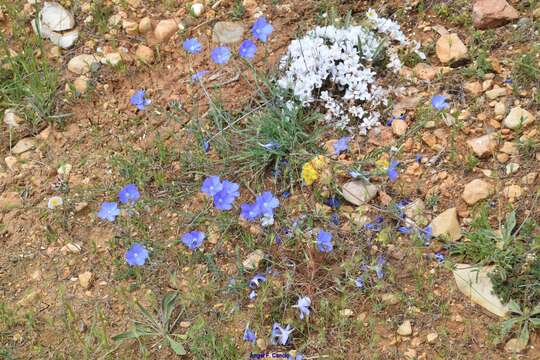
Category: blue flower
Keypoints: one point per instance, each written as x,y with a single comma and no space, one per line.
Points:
249,335
192,46
419,157
390,121
439,257
427,233
341,145
439,102
334,218
224,199
379,267
324,242
272,145
108,211
405,229
392,170
198,75
212,185
355,174
286,194
139,100
247,49
136,255
333,202
129,194
303,305
220,55
376,225
280,335
267,202
193,239
359,282
206,145
252,295
250,212
256,281
261,29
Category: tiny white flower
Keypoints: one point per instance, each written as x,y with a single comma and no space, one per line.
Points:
54,202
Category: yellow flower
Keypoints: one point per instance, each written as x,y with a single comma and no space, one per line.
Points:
382,163
319,162
309,174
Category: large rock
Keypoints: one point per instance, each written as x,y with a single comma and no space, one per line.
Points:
23,146
477,190
359,192
450,48
53,23
447,224
518,117
165,29
476,285
144,54
483,145
492,13
227,32
82,64
56,17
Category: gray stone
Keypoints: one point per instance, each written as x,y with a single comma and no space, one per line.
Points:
359,192
227,32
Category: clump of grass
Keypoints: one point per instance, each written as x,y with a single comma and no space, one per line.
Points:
526,70
279,140
29,83
101,12
513,251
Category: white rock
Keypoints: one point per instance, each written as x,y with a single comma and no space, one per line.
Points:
518,117
112,59
144,54
477,190
56,17
82,64
405,329
500,109
475,283
227,32
346,313
512,168
359,192
197,9
11,162
253,259
65,40
450,48
85,279
23,146
446,223
496,93
399,127
165,29
145,25
431,337
115,20
483,145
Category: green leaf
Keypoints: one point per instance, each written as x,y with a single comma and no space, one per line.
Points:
535,322
514,307
176,346
135,333
167,306
507,325
524,335
509,225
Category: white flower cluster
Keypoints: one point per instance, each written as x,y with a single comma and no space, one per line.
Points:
333,67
